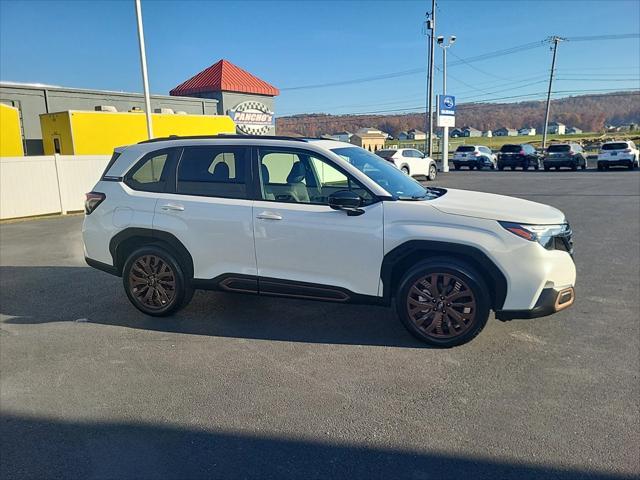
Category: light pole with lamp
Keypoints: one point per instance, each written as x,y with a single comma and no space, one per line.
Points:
445,132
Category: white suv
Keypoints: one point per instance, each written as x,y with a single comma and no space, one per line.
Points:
411,161
322,220
474,156
620,153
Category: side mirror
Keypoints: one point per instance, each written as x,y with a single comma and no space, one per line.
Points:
347,201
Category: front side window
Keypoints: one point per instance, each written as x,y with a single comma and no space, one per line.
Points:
300,177
213,171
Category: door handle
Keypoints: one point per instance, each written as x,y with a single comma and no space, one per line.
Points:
269,216
173,207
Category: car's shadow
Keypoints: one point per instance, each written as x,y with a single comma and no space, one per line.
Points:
35,295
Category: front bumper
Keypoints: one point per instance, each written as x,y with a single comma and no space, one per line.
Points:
549,302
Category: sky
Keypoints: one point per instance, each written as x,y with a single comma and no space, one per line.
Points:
298,45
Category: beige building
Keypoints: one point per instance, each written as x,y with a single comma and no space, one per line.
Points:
369,139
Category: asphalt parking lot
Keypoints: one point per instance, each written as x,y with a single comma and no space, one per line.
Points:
246,387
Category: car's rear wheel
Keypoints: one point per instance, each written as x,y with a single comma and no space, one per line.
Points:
405,170
443,302
155,281
433,172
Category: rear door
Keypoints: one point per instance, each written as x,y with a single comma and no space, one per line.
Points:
209,209
303,247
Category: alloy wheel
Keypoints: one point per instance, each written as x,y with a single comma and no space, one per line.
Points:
441,305
152,282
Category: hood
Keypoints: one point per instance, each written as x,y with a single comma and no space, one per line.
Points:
496,207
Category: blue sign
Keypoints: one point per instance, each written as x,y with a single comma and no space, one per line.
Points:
447,105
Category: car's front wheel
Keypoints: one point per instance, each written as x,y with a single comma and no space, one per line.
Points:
443,302
155,281
433,172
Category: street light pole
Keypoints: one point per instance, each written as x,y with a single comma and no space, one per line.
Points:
445,129
143,65
555,41
431,27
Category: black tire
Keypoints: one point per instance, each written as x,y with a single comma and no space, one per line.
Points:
547,168
179,295
456,166
500,167
493,167
433,173
536,167
405,170
584,164
458,272
471,167
574,167
600,167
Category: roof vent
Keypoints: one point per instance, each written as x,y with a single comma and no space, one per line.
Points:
105,108
168,111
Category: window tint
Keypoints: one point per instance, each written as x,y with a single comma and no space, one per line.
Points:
466,148
298,177
559,148
213,172
511,149
614,146
407,153
151,174
416,154
386,153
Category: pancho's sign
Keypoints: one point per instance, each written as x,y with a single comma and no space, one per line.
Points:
252,118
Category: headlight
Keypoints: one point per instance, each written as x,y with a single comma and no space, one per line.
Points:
545,235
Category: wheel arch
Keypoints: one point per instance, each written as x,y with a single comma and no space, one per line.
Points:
400,259
127,240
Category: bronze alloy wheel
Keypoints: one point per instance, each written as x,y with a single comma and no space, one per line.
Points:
152,282
441,305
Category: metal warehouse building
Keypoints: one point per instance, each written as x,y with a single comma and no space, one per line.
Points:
221,89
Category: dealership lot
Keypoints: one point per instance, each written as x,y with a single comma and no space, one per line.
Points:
244,387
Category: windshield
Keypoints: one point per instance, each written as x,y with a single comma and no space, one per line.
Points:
559,148
615,146
394,181
468,148
511,149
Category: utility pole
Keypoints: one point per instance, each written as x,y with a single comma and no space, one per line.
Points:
143,65
555,40
431,27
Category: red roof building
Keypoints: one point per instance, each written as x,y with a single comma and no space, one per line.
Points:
224,76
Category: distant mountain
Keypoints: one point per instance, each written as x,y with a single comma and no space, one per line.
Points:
587,112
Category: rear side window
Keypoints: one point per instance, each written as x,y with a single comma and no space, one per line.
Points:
614,146
213,171
559,148
511,149
151,173
113,159
466,148
385,153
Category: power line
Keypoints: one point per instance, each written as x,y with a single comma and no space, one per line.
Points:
619,36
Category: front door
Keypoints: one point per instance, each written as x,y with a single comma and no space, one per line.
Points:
301,243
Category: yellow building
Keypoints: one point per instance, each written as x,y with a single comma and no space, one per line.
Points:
10,132
369,139
97,133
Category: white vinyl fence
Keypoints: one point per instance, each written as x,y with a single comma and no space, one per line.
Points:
47,184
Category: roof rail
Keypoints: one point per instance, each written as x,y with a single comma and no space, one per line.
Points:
222,135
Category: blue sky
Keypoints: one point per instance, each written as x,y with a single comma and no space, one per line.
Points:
301,43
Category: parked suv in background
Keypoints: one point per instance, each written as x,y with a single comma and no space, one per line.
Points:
569,155
474,156
321,220
411,161
619,153
522,155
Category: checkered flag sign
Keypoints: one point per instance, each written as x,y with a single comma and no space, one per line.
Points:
252,118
